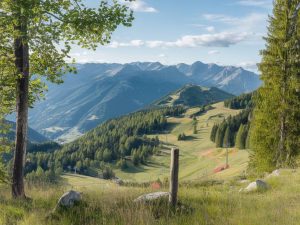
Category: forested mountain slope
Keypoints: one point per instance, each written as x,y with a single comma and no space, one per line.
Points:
103,91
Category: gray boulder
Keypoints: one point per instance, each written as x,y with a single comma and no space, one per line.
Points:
118,181
275,173
244,181
256,185
152,197
69,198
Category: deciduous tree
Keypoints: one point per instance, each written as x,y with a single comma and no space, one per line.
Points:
36,39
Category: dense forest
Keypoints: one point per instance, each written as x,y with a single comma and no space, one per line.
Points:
240,102
234,131
116,141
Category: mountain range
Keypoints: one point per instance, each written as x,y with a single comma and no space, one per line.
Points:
101,91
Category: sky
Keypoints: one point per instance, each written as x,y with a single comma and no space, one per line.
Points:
226,32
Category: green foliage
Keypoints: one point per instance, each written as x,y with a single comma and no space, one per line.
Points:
213,133
195,124
275,128
107,155
220,135
228,132
201,111
227,140
66,22
108,173
5,145
181,137
122,164
193,95
39,176
46,30
49,146
115,205
50,28
240,102
109,143
241,137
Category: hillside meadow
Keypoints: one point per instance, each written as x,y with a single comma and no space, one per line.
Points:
198,155
205,196
107,203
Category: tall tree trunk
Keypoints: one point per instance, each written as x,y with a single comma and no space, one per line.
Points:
21,51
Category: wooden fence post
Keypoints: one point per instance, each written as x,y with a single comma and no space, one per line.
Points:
174,169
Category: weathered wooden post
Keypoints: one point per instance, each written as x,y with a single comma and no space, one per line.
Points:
174,169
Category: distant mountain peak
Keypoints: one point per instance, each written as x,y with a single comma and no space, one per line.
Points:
101,91
191,95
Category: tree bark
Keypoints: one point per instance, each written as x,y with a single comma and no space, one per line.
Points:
21,51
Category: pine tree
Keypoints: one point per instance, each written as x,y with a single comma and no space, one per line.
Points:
220,135
240,140
275,127
213,133
227,138
195,124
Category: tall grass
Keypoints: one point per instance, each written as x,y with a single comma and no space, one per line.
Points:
216,204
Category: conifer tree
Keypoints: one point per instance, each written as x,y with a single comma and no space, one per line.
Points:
213,133
195,124
240,140
227,138
275,128
220,135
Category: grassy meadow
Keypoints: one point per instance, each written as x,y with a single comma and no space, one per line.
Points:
198,155
201,204
205,197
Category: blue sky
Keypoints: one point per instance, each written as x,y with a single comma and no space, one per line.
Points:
226,32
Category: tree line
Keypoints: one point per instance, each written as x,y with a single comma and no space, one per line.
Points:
116,141
232,132
240,102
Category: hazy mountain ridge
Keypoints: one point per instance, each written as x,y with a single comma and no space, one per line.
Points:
33,135
103,91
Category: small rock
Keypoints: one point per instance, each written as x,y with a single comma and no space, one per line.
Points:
118,181
275,173
152,197
69,198
257,185
244,181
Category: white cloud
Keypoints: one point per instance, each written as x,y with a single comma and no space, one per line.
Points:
133,43
254,23
256,3
214,52
139,6
223,39
249,22
210,29
250,65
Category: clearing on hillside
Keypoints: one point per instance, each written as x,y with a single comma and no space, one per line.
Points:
198,155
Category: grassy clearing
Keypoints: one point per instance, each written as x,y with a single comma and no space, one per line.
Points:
198,155
219,204
106,203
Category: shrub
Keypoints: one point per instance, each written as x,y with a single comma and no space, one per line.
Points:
108,173
122,164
